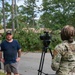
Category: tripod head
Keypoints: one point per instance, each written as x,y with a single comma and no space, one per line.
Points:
46,38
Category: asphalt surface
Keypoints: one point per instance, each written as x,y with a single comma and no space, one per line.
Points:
29,64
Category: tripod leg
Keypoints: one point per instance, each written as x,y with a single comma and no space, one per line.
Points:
51,52
41,63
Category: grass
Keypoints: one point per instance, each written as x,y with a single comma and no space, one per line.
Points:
1,73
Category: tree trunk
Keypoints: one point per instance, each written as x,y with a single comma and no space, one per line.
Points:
16,20
4,24
13,24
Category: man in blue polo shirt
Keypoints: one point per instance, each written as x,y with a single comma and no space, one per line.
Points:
11,54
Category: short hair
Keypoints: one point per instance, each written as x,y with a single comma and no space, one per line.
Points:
68,33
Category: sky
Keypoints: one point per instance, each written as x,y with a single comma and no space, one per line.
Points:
21,2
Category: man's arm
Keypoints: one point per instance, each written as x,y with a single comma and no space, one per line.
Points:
19,55
0,58
56,58
0,55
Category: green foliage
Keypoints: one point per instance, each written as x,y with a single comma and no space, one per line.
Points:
55,39
29,14
56,12
1,27
29,40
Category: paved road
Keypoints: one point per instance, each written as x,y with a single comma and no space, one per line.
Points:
29,64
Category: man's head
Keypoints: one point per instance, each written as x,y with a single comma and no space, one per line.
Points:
9,35
68,33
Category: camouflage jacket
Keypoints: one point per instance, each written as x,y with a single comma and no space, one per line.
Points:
63,61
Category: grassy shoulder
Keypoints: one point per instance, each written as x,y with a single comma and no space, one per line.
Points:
1,73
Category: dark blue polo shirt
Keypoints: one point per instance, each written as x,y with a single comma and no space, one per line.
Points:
10,50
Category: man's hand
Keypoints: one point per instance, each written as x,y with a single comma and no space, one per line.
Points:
18,59
2,60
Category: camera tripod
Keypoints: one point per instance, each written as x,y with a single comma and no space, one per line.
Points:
44,50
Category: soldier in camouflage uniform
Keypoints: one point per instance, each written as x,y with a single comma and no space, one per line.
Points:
63,60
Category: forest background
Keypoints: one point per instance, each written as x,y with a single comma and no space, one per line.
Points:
27,26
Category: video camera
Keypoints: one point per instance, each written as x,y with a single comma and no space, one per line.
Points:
46,39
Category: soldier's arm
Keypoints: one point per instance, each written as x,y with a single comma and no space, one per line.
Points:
56,59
